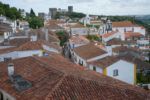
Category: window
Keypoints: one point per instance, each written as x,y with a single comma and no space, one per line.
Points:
7,59
115,72
81,62
94,68
1,96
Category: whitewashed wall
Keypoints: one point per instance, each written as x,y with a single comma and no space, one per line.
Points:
98,69
78,58
45,47
79,31
20,54
116,35
98,57
125,70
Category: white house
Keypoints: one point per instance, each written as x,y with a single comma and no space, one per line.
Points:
143,44
111,35
127,26
78,29
124,30
115,68
5,31
23,25
31,48
87,53
76,41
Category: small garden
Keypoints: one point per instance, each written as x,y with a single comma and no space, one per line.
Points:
144,79
93,38
63,37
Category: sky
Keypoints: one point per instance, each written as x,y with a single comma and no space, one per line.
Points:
97,7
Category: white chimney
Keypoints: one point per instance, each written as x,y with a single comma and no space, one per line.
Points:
46,34
11,69
33,38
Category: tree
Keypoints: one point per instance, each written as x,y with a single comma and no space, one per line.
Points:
93,37
63,37
10,12
35,22
2,12
32,14
76,15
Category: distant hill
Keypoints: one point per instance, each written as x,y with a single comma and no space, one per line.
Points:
144,18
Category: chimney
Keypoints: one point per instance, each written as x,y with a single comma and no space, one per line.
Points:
10,69
85,22
46,34
33,38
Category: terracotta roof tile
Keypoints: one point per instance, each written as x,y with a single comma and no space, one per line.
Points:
132,34
115,41
5,27
17,42
123,24
77,25
90,90
125,49
105,62
79,40
37,45
106,35
89,51
140,64
54,78
7,50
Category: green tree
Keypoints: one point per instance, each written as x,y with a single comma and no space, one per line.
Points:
2,12
32,14
63,37
10,12
35,22
76,15
93,37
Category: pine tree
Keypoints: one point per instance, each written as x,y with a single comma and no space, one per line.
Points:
32,14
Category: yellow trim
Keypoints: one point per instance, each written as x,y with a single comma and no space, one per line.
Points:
105,71
135,74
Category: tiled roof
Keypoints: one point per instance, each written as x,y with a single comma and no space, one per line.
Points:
31,45
5,27
77,25
79,40
105,62
17,42
7,50
41,35
132,34
106,35
89,51
43,79
123,24
116,41
90,90
125,49
56,22
37,45
140,64
54,78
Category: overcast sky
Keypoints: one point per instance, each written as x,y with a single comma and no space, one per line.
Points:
100,7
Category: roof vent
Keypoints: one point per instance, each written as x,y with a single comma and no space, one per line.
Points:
7,59
20,83
6,42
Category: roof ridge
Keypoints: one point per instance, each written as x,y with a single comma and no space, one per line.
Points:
56,86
